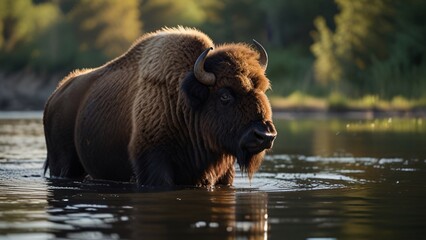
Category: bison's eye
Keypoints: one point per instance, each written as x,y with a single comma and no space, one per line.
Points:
225,96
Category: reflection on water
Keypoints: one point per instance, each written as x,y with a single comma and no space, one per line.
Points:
325,178
387,137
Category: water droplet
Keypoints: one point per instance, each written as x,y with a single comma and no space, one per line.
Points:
200,224
213,225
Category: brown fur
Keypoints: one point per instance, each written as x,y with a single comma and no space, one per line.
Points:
143,114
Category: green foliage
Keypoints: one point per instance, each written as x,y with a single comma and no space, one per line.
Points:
357,48
328,67
337,101
159,13
361,30
290,22
16,23
298,100
403,72
377,48
104,29
43,37
21,25
237,20
289,71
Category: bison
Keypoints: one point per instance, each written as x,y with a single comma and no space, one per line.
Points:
169,111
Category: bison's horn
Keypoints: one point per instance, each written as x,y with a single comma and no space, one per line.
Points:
263,59
204,77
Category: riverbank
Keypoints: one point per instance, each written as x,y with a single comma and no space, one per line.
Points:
28,91
337,103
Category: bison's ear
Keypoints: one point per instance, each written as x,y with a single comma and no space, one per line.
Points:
195,92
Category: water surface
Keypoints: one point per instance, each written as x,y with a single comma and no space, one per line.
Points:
329,177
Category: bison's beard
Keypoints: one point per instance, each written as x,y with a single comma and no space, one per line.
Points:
249,162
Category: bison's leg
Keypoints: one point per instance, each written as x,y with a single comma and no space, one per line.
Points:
62,159
59,120
228,178
152,168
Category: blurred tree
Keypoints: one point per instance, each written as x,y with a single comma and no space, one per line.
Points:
362,29
224,20
21,23
327,66
168,13
403,72
16,23
368,47
290,22
56,48
104,29
238,20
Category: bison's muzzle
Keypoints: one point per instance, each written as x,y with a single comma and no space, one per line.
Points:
258,137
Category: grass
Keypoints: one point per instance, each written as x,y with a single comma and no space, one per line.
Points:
298,101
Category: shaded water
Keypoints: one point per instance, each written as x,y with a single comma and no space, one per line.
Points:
325,178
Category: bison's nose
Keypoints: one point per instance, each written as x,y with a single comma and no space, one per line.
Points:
264,137
259,137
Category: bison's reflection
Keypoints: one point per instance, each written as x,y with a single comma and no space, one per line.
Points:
109,211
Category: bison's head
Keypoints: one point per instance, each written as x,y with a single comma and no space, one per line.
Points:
226,91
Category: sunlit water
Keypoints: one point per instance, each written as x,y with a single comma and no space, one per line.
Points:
327,178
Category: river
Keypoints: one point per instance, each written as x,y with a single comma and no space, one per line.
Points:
327,177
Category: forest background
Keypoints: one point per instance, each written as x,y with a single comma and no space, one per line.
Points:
324,54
